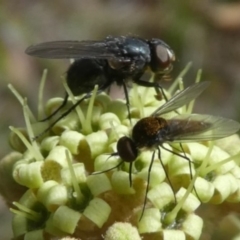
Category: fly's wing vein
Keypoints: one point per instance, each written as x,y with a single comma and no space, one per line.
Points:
197,127
74,49
181,98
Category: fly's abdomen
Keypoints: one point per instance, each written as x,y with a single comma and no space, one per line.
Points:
83,74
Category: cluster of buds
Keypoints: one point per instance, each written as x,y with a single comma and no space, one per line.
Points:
52,190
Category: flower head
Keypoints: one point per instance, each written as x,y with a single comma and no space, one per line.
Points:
56,193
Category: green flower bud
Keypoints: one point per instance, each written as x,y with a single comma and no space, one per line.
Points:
66,219
97,211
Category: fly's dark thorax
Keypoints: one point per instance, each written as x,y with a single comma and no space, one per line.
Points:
150,132
134,58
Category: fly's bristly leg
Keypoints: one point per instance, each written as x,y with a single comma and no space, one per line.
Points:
63,104
190,169
152,84
127,100
166,174
147,187
62,116
189,163
107,170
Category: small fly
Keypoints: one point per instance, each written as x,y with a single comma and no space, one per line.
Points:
114,59
153,131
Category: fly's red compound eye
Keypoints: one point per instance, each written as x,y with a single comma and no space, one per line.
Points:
162,56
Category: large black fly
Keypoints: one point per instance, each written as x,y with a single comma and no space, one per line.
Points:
114,59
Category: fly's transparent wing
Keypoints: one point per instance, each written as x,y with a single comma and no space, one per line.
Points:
197,127
181,98
72,49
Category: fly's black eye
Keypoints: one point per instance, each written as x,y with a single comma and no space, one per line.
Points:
127,150
162,56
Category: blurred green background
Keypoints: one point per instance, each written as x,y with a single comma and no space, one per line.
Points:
205,32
